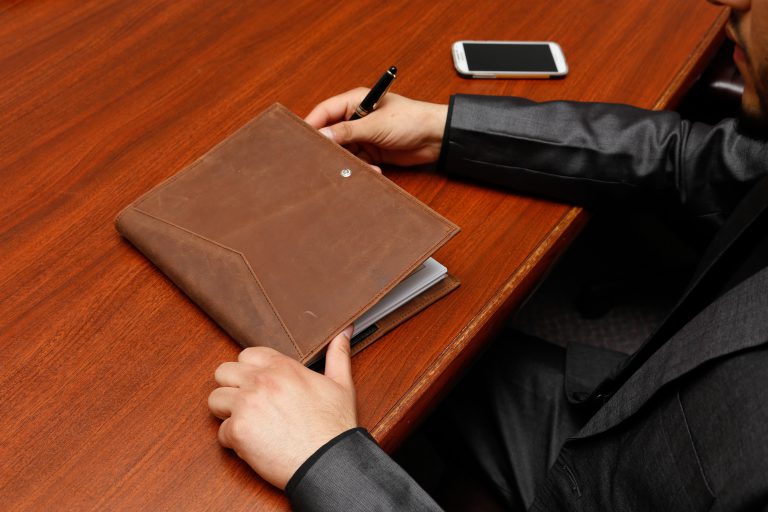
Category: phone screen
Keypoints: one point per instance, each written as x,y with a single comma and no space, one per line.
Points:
532,57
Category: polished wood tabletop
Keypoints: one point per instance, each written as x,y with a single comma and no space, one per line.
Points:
105,366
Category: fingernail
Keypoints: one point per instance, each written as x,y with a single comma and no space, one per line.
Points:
327,132
348,332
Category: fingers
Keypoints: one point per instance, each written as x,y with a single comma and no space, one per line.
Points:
348,132
329,117
363,155
338,364
221,401
228,374
222,434
336,109
260,357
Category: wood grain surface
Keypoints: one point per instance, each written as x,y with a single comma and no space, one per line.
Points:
105,366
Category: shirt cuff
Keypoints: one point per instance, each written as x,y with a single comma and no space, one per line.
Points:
446,131
307,465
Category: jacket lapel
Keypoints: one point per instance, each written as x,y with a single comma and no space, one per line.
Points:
751,207
748,210
738,320
735,321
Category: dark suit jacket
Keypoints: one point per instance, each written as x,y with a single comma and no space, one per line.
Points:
683,423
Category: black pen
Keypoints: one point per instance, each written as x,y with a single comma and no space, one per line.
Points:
368,104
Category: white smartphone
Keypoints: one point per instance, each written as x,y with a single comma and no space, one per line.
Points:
509,59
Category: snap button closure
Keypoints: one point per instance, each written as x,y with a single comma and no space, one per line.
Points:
346,173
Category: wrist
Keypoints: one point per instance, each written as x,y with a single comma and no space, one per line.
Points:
431,123
436,119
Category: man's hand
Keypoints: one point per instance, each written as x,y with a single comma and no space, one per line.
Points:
400,131
277,413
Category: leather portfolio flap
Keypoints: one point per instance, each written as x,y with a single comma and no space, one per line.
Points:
281,236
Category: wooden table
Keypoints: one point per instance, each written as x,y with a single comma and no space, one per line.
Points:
105,366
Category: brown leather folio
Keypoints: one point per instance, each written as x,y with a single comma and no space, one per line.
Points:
285,238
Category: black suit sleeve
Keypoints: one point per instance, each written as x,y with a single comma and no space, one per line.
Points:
599,154
351,473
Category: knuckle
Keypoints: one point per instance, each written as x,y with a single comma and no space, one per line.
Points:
221,372
256,355
224,435
344,347
238,428
247,400
212,399
270,385
344,132
215,395
341,351
259,381
247,354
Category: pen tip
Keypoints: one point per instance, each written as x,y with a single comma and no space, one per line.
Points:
393,70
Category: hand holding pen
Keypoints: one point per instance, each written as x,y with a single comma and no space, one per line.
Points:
404,132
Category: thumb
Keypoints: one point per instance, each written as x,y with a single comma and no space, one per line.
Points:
348,132
338,365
